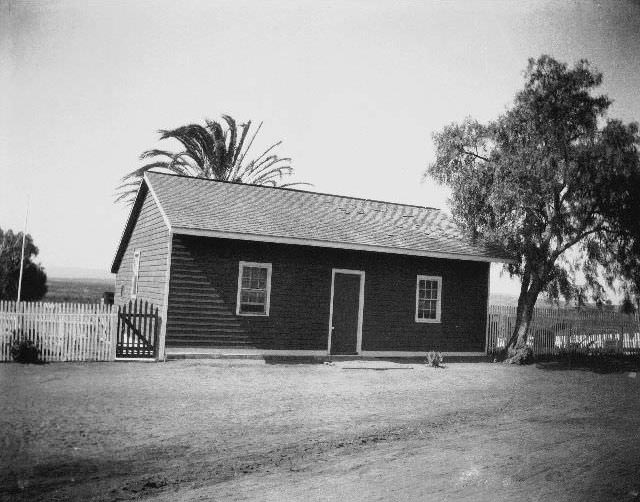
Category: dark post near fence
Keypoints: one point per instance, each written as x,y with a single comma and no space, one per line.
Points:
108,298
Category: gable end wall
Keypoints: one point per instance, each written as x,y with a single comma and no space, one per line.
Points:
151,236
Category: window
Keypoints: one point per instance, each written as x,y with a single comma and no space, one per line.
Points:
428,298
135,273
254,288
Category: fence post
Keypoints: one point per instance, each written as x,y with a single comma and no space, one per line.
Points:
113,331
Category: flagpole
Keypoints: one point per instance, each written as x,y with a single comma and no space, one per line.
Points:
24,236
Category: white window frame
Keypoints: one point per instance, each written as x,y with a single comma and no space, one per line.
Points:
241,266
438,280
135,273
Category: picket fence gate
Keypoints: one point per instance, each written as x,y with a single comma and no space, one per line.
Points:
137,331
78,332
555,331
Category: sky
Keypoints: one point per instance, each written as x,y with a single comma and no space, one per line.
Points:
355,89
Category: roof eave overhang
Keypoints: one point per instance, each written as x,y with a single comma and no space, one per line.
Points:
336,245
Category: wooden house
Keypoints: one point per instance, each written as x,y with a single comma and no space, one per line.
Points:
244,269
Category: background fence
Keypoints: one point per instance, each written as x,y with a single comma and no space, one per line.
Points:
557,331
79,332
62,331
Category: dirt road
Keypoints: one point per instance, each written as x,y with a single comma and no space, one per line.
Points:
234,430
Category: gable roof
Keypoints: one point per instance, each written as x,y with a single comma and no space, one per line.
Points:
196,206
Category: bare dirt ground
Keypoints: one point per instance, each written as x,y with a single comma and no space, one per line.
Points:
245,430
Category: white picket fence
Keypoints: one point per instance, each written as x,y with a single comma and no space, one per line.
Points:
555,331
62,331
81,332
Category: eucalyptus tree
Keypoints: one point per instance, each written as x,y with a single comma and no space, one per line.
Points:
554,182
217,150
34,278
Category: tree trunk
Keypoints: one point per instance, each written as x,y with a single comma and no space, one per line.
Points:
517,351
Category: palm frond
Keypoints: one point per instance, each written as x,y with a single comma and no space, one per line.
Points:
297,183
196,141
271,174
230,144
155,153
125,195
245,129
266,164
128,190
217,150
243,155
257,159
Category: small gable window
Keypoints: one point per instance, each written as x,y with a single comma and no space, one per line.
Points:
135,272
254,288
428,298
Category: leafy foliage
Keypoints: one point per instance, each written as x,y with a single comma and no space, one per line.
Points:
435,359
25,352
554,182
34,279
216,151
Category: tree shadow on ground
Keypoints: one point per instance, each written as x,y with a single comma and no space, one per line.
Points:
600,364
398,360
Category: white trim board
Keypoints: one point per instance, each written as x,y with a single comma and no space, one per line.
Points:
333,244
400,353
316,353
165,308
433,278
360,306
170,351
486,328
135,360
267,305
157,201
124,230
145,181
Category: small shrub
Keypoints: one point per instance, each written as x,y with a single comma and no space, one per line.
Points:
435,359
25,352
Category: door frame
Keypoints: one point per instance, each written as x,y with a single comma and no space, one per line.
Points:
335,271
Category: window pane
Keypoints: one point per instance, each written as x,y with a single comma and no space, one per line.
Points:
252,308
246,277
428,299
253,290
428,290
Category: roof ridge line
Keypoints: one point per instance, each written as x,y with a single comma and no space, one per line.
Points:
295,190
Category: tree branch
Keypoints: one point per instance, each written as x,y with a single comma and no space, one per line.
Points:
578,238
462,150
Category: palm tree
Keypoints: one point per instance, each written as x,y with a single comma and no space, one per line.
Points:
214,152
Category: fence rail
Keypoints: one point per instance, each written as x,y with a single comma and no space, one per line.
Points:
556,331
80,332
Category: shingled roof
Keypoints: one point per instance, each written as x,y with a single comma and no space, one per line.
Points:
195,206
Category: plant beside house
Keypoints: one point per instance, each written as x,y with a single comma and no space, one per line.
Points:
25,351
435,359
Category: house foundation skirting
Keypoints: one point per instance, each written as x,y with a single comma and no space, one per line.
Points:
230,353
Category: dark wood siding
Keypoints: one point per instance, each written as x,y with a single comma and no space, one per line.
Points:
203,292
151,236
